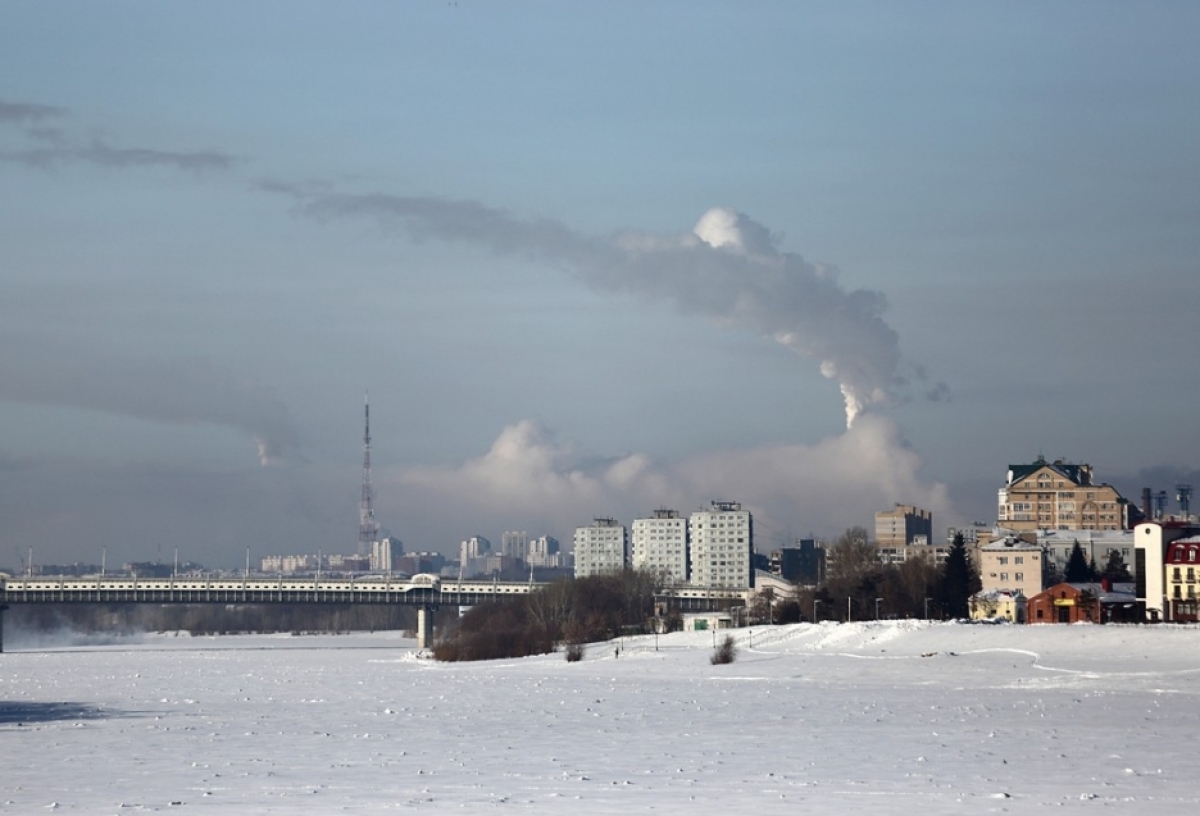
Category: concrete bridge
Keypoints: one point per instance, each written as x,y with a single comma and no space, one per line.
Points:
425,591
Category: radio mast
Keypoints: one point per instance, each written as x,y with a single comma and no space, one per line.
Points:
368,527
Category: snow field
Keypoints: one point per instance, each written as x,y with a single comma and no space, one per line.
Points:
893,717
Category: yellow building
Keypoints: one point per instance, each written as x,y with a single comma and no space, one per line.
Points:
1060,496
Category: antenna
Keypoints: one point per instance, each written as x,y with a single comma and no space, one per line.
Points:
1183,495
368,528
1160,503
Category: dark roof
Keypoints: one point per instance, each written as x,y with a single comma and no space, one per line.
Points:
1067,471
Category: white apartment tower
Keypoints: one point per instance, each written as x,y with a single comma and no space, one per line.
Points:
601,547
473,555
543,552
515,544
661,544
385,554
721,540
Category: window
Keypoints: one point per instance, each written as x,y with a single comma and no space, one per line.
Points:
1004,559
1004,576
1020,576
1019,559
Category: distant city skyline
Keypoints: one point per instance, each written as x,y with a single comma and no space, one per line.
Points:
589,260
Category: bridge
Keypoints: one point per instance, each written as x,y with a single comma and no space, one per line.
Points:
424,591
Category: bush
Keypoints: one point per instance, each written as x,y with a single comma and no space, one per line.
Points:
725,653
574,652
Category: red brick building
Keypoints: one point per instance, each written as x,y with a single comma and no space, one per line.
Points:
1065,603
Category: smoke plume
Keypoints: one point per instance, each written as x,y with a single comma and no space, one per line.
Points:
727,268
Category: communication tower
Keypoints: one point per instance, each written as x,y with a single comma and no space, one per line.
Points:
1183,495
368,527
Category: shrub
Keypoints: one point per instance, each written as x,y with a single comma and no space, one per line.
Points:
725,653
574,652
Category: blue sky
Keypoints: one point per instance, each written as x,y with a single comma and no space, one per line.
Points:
225,222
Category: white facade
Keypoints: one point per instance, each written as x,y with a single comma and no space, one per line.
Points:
721,541
544,552
515,545
385,553
473,555
601,547
1150,555
1012,564
661,544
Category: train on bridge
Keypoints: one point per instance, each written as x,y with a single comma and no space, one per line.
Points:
420,589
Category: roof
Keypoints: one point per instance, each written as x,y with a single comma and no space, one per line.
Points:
1011,543
1067,471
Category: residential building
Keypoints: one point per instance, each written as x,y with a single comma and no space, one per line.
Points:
601,547
802,563
472,555
1152,542
902,526
902,553
544,552
1182,570
999,604
1012,564
721,541
1061,496
660,543
385,553
1096,545
515,545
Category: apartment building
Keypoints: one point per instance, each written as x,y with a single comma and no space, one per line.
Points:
660,543
721,542
1060,496
601,547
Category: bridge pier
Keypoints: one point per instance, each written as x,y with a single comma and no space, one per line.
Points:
425,625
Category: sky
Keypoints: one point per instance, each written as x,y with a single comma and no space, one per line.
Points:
587,260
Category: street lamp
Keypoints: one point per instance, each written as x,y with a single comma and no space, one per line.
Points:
877,602
927,600
848,615
815,602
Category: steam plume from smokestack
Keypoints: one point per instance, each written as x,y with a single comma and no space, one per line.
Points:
728,268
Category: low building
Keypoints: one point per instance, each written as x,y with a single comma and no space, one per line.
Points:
1012,564
1084,603
999,604
1152,542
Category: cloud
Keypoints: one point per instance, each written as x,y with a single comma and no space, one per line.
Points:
187,391
22,112
56,147
530,479
728,268
105,156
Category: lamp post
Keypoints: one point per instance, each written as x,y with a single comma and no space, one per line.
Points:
816,601
877,602
848,614
927,600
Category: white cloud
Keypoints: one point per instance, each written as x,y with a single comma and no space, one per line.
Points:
529,479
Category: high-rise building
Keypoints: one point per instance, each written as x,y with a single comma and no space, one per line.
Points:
660,544
1061,496
902,526
473,554
515,545
721,541
601,547
544,552
385,553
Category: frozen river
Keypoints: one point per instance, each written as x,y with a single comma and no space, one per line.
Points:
895,717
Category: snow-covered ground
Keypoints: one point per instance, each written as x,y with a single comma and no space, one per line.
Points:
894,717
